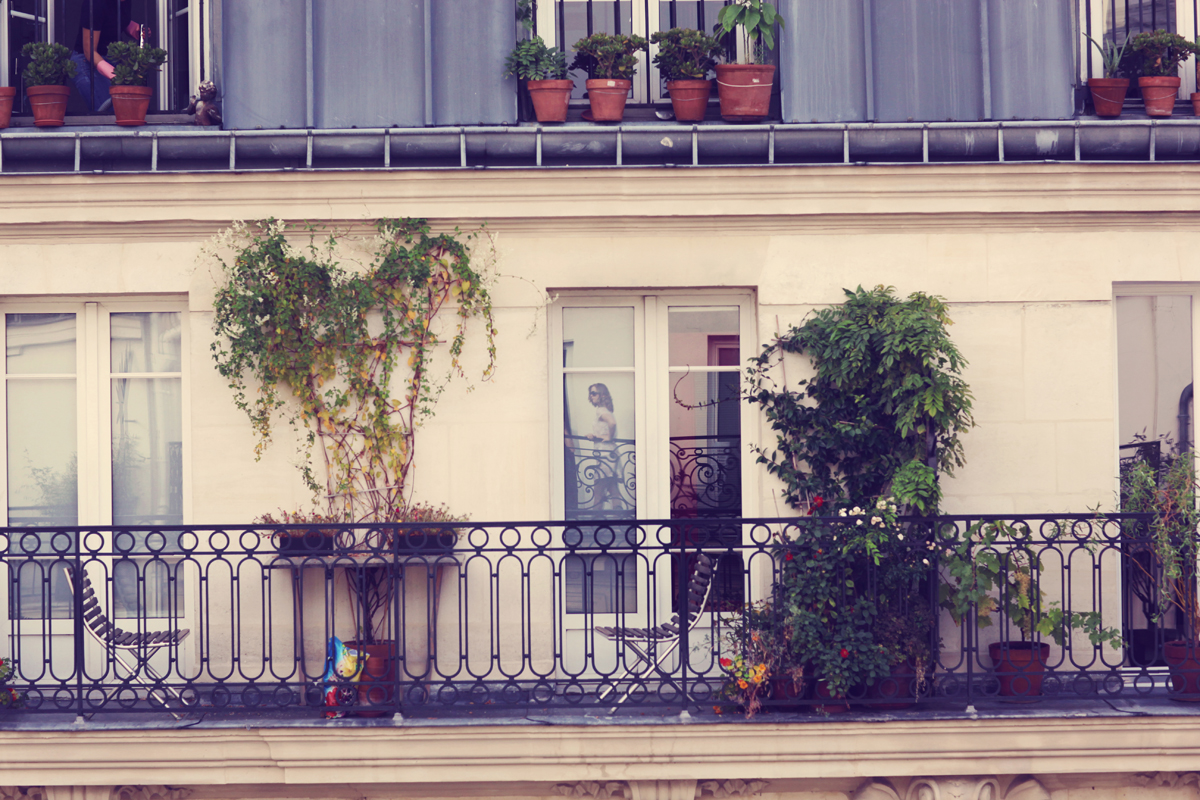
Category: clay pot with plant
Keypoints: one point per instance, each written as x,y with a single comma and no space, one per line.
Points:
684,59
1171,569
1108,93
543,72
1154,58
610,61
134,64
995,567
7,95
47,77
745,87
345,358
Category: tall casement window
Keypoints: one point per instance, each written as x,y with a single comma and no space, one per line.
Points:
94,422
647,424
1156,353
181,27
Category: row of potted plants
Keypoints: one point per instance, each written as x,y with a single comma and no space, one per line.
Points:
48,77
685,57
1153,59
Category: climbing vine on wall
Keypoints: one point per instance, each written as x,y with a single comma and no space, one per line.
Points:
346,354
884,411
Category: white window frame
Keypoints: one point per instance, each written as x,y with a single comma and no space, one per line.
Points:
93,388
652,390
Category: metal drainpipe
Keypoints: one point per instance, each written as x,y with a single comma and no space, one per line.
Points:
1185,419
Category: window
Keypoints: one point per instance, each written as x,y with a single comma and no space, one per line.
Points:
646,390
1156,351
178,26
93,411
1117,19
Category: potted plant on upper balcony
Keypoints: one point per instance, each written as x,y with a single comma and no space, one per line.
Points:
7,94
1172,542
685,57
745,88
543,70
610,61
130,91
46,79
1154,57
1108,93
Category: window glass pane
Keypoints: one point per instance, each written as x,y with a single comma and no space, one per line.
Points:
1130,17
693,330
147,451
146,342
597,337
599,428
601,584
1154,364
42,462
40,344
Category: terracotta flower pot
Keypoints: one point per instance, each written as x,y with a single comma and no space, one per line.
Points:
1196,103
380,669
840,706
745,91
7,93
1183,659
895,691
1108,95
607,96
1020,667
550,98
130,103
689,99
49,104
785,692
1159,95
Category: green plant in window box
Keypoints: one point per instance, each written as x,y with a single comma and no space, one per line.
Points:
9,696
610,61
745,88
684,59
46,78
543,70
1154,58
134,65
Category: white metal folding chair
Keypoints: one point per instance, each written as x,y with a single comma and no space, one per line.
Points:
140,646
653,646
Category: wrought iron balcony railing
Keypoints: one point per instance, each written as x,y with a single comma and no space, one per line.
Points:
510,615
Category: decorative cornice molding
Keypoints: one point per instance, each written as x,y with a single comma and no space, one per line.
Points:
22,793
733,788
1168,779
566,753
598,789
150,793
972,787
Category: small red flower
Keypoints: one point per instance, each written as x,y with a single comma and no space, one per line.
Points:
788,557
845,653
725,662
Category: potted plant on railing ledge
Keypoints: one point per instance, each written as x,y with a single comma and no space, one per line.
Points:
1108,93
47,77
610,61
544,71
133,65
995,566
684,59
1154,58
1172,542
745,88
7,95
345,357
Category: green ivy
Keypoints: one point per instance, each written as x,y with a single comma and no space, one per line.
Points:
887,391
346,354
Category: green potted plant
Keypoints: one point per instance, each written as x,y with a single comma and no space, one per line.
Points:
745,88
684,59
757,658
133,64
1172,569
610,61
1196,95
902,631
1108,93
1154,58
544,72
996,566
46,78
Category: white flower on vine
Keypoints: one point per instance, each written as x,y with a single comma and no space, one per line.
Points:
881,504
900,537
841,512
925,561
876,520
856,512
